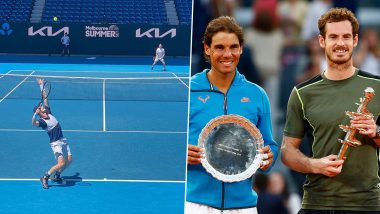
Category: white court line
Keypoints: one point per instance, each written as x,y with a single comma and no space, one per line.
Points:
93,78
16,86
95,131
90,71
5,74
104,105
181,80
95,180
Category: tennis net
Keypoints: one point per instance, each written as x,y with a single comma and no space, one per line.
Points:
165,89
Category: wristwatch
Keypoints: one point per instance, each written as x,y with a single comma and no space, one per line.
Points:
377,131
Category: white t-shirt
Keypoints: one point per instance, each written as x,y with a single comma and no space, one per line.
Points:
160,53
52,127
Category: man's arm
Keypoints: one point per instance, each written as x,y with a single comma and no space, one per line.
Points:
34,121
46,101
271,149
296,160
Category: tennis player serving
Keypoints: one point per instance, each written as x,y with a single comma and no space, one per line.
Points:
58,143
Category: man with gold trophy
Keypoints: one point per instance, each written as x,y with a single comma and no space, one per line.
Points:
342,174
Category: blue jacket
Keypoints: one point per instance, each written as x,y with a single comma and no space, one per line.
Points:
207,102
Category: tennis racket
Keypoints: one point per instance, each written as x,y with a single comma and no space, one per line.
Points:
45,92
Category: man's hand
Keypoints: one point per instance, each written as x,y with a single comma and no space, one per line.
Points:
40,81
34,121
267,155
194,154
38,110
296,160
328,166
365,124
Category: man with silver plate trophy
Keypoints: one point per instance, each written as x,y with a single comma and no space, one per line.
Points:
342,174
230,134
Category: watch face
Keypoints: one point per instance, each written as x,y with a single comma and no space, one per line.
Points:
378,131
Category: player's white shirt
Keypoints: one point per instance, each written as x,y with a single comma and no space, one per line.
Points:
52,127
160,53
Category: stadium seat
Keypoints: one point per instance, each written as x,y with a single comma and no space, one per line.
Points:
95,11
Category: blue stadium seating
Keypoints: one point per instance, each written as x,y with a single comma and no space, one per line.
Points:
96,11
106,11
15,10
184,11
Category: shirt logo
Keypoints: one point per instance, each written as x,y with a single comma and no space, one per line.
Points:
204,100
245,100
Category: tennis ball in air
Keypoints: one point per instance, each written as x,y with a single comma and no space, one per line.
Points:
55,18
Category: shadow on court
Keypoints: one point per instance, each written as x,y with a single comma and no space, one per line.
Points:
69,181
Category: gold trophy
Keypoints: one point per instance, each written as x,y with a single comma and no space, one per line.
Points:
349,139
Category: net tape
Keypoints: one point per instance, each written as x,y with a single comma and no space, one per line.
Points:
171,89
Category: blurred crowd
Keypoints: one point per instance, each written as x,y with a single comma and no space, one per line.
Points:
281,49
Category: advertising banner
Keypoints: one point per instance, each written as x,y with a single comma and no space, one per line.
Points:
95,39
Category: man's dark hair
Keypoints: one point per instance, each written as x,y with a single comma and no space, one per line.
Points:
338,15
222,24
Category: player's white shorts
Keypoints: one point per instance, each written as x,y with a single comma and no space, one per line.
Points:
157,59
60,148
193,208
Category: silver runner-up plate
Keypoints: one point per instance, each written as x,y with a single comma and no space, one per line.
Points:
231,146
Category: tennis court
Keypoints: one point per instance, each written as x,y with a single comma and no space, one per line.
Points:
125,124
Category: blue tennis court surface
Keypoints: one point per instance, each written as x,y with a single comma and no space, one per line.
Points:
125,124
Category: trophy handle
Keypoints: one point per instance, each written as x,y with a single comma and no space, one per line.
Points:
342,151
349,139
